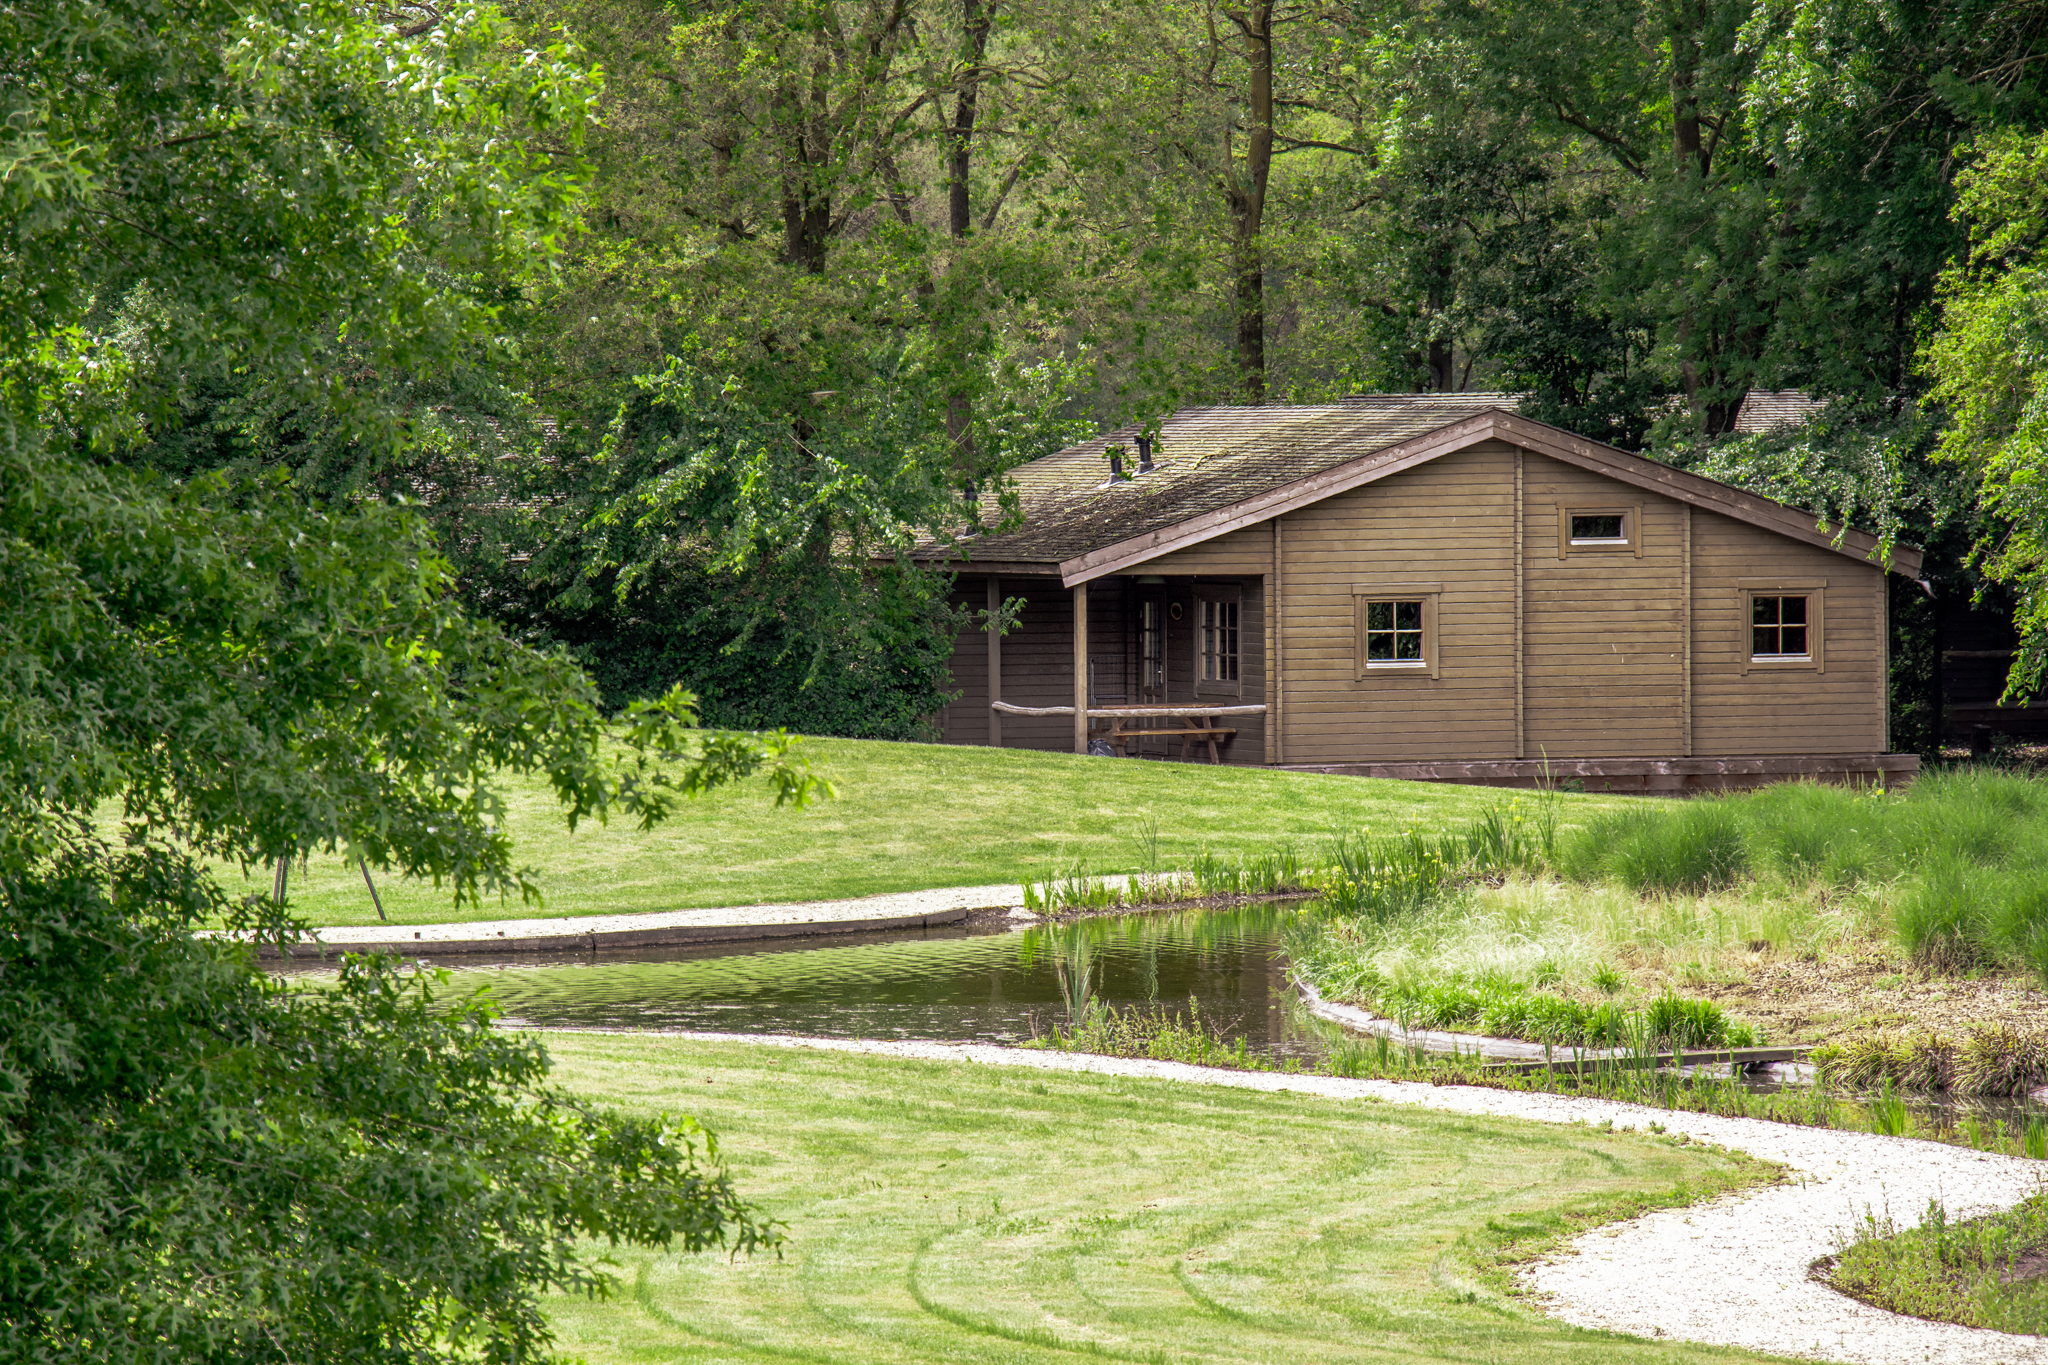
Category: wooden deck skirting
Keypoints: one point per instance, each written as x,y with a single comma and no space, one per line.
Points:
1651,776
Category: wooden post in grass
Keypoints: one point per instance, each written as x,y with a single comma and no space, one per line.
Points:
995,662
1081,669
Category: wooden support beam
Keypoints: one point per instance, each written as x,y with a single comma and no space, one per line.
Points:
1081,668
995,662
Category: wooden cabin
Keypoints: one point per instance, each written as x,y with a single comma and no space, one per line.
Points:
1427,587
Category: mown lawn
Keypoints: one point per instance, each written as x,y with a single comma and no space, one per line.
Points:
949,1212
911,817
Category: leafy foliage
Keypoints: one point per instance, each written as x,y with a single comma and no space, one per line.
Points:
195,1162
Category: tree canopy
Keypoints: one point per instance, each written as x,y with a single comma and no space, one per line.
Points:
314,207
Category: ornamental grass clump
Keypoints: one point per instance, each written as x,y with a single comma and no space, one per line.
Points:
1991,1060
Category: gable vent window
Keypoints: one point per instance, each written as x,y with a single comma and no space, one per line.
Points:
1613,529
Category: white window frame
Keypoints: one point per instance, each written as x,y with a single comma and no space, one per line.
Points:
1630,542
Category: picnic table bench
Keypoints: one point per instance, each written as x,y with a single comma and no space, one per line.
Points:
1120,726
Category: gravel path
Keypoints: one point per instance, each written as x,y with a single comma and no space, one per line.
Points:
1730,1272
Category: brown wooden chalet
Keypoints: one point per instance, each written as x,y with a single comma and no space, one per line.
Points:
1427,587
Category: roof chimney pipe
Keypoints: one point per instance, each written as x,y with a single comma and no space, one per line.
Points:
1116,462
1144,454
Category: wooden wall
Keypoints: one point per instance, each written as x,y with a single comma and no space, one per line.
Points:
1841,710
1603,633
1602,636
1450,521
1607,668
1038,656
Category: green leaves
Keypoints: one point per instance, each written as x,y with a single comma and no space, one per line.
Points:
198,1164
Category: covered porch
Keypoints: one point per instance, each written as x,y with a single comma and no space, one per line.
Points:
1135,665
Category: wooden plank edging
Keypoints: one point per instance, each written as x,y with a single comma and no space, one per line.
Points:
625,938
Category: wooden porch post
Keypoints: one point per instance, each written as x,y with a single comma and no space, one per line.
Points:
1081,668
995,663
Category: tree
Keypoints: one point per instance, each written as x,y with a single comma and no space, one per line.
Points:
196,1163
1987,361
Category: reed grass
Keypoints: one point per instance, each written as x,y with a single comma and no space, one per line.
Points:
1960,860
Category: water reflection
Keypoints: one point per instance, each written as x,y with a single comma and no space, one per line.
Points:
997,987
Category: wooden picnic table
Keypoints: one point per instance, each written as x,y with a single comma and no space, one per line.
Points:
1123,724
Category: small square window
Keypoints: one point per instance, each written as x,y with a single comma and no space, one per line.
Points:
1396,629
1393,632
1600,528
1778,627
1783,624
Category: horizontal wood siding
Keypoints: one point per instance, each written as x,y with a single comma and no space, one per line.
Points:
1038,664
1602,643
1450,522
1603,633
1247,748
1237,554
1794,711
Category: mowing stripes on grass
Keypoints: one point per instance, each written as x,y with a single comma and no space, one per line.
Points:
946,1212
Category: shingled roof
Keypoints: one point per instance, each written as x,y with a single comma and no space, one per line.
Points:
1204,458
1218,469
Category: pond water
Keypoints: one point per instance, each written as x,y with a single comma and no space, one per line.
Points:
1002,986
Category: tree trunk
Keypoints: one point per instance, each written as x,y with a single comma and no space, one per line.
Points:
975,21
1247,196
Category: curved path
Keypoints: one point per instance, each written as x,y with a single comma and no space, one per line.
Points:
654,928
1730,1272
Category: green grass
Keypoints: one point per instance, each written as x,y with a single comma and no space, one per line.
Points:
945,1212
1963,852
913,817
1953,1271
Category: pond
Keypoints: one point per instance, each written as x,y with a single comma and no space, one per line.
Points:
999,986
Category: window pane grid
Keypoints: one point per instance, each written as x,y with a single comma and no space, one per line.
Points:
1393,632
1218,621
1778,627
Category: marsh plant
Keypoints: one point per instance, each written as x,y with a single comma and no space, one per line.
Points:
1959,861
1154,1034
1980,1272
1991,1060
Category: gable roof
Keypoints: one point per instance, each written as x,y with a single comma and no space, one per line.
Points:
1221,469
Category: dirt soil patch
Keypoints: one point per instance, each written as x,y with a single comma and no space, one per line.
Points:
1798,1000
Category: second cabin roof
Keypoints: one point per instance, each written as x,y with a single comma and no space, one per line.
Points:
1220,469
